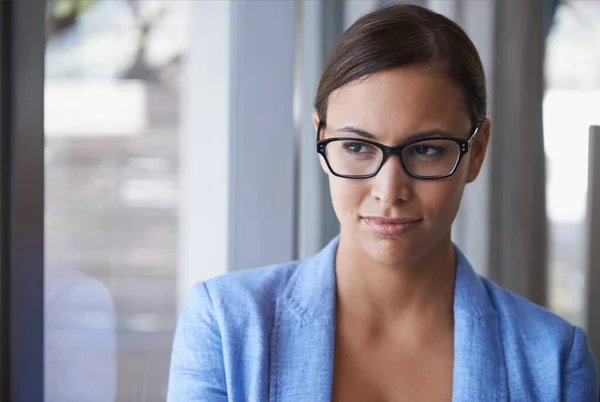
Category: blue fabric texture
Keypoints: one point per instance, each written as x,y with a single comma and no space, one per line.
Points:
267,334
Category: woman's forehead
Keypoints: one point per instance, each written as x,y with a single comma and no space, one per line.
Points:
405,99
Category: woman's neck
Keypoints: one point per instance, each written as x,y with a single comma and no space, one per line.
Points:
418,294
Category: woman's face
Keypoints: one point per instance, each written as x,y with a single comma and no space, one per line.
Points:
394,105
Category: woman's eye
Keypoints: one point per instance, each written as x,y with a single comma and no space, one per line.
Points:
426,150
357,147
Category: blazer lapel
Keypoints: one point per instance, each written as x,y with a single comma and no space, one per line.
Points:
479,365
302,339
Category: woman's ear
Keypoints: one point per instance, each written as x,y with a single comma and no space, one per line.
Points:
479,149
316,122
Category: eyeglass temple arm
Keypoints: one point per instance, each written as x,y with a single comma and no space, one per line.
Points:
319,127
472,138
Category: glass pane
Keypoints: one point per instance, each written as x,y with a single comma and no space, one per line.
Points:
570,107
353,158
112,167
431,158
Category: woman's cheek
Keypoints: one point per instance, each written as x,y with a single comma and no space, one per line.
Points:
347,196
443,201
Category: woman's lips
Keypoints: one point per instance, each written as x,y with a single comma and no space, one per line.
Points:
391,227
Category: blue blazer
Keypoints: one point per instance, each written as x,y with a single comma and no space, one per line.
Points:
268,335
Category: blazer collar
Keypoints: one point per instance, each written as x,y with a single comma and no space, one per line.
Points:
311,289
302,345
479,365
302,340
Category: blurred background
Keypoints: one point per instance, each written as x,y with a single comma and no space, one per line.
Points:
179,146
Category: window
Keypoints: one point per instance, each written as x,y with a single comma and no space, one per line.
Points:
112,163
570,108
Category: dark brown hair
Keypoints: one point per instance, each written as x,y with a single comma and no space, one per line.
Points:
398,36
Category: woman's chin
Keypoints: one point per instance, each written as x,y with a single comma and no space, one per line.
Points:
391,251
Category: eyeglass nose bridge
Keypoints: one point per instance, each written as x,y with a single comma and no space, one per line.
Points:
392,151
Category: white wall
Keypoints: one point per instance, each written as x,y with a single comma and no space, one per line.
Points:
237,142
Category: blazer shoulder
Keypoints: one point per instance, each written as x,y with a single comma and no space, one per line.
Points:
553,350
525,313
533,325
255,286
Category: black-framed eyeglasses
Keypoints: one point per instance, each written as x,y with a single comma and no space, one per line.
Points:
427,159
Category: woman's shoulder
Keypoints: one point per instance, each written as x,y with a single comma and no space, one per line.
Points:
251,291
536,333
515,310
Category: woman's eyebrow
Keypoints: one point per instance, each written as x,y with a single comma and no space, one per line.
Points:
416,136
357,131
428,134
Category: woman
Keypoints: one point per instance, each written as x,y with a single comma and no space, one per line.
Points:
390,310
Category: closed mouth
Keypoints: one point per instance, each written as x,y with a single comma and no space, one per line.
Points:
391,227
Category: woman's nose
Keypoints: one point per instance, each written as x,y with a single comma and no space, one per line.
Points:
391,184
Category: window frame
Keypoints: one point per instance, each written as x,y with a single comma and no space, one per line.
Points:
22,47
